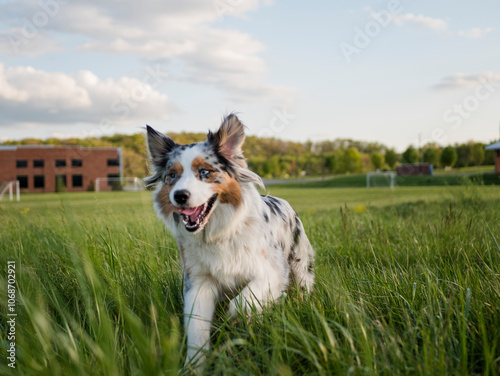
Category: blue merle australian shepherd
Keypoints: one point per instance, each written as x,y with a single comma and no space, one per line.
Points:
233,242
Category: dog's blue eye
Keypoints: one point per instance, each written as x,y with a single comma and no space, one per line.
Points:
204,172
173,175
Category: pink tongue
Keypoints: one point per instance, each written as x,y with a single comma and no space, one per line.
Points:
189,211
192,212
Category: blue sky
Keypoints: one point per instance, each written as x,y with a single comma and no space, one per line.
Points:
399,72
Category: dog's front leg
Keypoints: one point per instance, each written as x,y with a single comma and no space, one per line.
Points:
257,293
200,297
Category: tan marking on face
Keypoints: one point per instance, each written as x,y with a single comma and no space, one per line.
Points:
229,191
177,168
264,254
198,164
163,199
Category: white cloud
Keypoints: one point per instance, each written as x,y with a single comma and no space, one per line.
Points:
462,81
421,21
438,25
30,95
475,33
162,31
15,42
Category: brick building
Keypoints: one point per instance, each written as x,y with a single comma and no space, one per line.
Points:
39,167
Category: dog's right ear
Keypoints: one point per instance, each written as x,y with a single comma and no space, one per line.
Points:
159,146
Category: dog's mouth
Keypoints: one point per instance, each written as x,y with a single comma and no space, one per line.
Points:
196,218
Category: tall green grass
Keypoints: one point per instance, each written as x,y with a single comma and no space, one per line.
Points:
405,286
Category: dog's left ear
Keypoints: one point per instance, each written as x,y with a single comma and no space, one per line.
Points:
228,140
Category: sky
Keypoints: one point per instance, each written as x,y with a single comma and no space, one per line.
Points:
398,72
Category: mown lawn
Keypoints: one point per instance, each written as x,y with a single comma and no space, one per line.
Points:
408,282
382,181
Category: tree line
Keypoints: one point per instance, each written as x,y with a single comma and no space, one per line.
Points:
272,158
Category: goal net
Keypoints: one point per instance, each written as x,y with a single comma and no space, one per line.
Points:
119,184
381,179
10,186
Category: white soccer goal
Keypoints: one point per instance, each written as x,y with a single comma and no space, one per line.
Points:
120,184
380,179
9,187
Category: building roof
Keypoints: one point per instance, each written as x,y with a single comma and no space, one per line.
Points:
495,146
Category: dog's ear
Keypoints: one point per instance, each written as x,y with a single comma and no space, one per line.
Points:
159,146
228,140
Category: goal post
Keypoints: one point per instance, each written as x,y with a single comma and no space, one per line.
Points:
10,186
119,184
388,177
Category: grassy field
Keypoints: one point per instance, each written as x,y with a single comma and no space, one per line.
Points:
466,170
408,282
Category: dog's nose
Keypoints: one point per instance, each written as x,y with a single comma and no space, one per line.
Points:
181,196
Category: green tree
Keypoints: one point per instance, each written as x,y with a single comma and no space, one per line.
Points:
60,186
463,154
377,159
352,160
331,163
489,157
134,164
411,155
449,156
391,158
431,155
477,154
272,167
314,165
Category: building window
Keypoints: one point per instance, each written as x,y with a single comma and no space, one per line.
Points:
39,181
38,163
20,163
23,181
77,181
76,163
60,162
113,162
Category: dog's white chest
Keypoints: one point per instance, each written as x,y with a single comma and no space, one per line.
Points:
231,264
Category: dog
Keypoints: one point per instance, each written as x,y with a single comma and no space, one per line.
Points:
234,243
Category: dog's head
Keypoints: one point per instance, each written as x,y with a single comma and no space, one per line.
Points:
194,179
